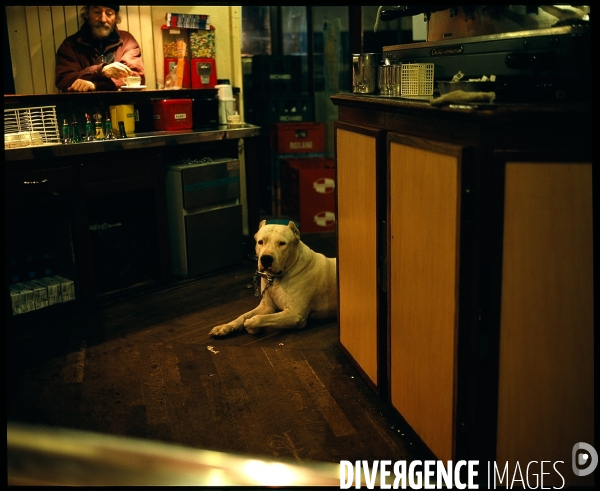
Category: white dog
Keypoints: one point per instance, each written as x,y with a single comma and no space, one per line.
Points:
296,283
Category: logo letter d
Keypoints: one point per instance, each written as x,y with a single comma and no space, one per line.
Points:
593,454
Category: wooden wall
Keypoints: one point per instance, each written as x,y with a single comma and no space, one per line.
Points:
35,33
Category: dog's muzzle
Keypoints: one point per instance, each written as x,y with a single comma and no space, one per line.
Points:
266,261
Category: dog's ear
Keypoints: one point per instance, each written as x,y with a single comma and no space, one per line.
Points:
292,225
260,225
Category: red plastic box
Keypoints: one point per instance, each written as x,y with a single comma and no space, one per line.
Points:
298,138
172,114
308,193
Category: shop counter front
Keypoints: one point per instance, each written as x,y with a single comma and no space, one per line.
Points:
96,212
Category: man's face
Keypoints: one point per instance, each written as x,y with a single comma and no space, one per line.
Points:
102,21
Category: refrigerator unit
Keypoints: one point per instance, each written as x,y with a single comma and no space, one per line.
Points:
205,216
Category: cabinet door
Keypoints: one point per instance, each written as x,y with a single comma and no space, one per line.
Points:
546,360
358,239
424,231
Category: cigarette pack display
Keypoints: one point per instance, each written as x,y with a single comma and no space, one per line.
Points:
67,288
26,300
40,293
53,289
17,298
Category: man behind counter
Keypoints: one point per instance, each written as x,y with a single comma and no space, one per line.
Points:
98,56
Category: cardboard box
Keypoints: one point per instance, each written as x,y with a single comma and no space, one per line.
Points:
308,193
289,138
172,114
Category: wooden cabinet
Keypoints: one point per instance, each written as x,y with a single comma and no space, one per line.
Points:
546,360
424,229
361,240
489,281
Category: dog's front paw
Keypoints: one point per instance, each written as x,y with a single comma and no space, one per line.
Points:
251,326
222,330
254,330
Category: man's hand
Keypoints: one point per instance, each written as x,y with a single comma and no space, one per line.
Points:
116,70
81,85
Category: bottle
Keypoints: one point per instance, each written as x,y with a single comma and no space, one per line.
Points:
66,132
90,133
75,134
99,128
122,133
108,130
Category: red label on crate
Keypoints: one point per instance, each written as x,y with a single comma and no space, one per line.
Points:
300,145
298,137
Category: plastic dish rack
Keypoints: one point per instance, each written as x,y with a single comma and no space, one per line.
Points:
30,127
417,80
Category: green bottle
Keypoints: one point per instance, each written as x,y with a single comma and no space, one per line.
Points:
108,130
75,134
66,132
90,133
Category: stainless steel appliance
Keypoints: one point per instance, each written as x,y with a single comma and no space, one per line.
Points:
205,216
364,72
540,64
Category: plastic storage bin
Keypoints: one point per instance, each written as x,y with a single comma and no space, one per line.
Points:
172,114
417,80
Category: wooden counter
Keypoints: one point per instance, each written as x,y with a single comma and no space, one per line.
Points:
465,272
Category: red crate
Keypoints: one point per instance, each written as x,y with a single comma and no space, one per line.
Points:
172,114
204,73
298,138
308,193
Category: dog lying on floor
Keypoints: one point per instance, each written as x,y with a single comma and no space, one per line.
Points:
296,283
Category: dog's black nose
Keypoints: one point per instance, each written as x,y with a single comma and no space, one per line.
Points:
266,260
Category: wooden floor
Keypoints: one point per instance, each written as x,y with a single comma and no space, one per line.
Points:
147,368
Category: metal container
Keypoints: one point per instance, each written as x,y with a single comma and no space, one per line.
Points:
446,87
364,72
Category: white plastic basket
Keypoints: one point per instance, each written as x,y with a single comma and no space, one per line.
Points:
30,126
417,80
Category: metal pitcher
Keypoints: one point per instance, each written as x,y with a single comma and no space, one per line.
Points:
364,72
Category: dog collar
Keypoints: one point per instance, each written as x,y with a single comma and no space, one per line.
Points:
266,276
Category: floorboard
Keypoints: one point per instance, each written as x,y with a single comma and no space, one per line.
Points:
146,367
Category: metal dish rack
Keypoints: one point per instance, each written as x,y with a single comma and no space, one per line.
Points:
30,127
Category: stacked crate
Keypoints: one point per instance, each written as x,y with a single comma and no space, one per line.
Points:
276,90
309,190
292,140
277,98
303,179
